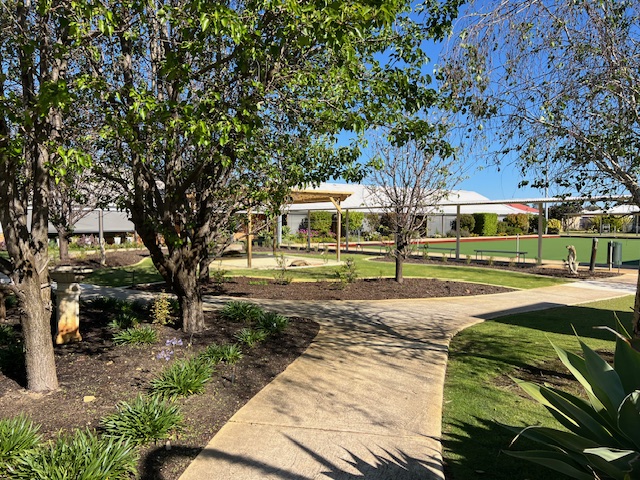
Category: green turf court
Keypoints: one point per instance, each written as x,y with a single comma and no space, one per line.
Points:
552,248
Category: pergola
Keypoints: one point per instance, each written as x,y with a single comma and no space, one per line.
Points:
305,197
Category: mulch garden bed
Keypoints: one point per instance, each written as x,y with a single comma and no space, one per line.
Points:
104,373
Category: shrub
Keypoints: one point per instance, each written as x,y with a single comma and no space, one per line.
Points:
467,222
18,437
144,420
144,335
519,221
554,226
246,312
603,440
218,277
272,323
79,456
183,378
322,222
124,320
281,275
161,309
7,335
486,224
250,337
348,272
356,221
214,353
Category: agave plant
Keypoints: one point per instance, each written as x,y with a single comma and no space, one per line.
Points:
602,440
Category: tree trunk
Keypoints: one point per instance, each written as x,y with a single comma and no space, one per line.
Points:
186,286
35,305
63,243
400,245
203,270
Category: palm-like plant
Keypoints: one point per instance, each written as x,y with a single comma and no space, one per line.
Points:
603,433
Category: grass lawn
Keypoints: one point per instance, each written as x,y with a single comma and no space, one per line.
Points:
554,248
478,394
144,272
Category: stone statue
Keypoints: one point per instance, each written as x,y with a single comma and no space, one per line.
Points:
572,263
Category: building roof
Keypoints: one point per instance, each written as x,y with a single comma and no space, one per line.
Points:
361,198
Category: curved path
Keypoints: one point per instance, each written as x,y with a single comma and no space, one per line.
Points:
365,399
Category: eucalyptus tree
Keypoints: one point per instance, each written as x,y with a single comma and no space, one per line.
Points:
36,40
214,107
555,85
411,179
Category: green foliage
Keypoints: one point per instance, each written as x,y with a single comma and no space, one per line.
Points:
228,353
241,312
217,277
272,323
144,335
10,301
250,337
79,456
356,221
617,223
7,335
161,309
281,275
183,378
321,222
467,223
603,435
518,221
347,273
146,419
124,320
554,226
18,437
486,224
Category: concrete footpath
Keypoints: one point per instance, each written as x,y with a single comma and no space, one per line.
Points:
365,399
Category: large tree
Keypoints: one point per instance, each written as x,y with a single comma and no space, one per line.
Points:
215,107
36,38
411,179
555,86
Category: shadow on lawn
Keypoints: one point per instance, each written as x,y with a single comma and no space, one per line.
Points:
583,319
479,449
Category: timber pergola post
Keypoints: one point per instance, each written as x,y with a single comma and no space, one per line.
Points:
541,228
457,232
336,203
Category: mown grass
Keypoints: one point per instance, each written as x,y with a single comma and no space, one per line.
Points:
479,396
373,269
145,272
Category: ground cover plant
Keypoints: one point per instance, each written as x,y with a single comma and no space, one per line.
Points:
106,393
480,393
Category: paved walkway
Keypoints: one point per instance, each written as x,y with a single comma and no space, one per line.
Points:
364,401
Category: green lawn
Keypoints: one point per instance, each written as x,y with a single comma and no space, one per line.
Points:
478,394
552,248
144,272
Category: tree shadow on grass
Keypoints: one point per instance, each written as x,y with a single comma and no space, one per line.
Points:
479,453
564,320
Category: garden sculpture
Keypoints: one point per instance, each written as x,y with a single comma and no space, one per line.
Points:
572,263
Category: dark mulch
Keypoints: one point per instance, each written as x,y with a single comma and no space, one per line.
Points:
365,289
110,373
583,271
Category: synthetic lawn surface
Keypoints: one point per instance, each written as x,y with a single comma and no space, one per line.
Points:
553,248
145,272
475,406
